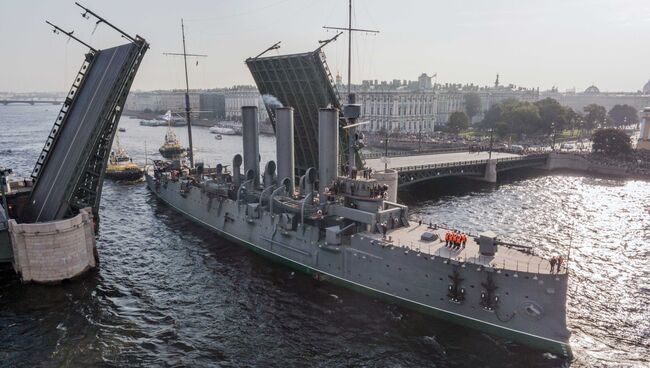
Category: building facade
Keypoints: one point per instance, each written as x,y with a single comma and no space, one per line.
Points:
161,101
592,95
404,106
213,104
239,96
451,97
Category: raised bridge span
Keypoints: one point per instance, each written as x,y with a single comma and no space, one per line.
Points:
419,168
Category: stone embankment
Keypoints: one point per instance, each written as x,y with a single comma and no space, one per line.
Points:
49,252
598,164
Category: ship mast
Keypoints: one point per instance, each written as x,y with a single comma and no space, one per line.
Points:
350,30
349,114
190,154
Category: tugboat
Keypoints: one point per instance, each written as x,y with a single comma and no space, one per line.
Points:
121,166
172,147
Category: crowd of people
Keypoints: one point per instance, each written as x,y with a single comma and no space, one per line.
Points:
455,240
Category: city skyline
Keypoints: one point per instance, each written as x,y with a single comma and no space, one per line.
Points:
556,44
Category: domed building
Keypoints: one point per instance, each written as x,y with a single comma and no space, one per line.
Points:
646,88
592,90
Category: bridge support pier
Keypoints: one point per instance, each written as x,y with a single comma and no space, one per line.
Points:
490,171
50,252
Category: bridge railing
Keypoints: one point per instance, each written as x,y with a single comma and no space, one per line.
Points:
376,155
440,166
463,163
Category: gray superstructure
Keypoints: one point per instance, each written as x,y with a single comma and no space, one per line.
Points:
342,229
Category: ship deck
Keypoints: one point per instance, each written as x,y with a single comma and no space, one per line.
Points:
506,258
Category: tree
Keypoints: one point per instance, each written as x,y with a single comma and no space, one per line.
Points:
502,129
458,121
611,142
573,119
595,115
472,104
522,117
492,117
624,115
553,117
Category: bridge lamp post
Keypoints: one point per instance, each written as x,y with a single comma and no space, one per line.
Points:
385,142
554,134
491,143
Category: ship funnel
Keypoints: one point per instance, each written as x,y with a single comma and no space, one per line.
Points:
250,132
269,174
284,146
328,149
236,170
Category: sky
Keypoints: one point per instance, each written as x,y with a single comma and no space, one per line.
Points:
530,43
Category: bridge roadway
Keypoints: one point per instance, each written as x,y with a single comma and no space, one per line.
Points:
420,168
376,164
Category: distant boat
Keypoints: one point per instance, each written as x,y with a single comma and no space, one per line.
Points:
122,130
218,137
153,122
224,131
121,166
172,148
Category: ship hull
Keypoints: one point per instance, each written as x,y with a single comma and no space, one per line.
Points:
301,259
124,175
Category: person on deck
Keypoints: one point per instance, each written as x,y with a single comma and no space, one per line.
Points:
552,262
560,260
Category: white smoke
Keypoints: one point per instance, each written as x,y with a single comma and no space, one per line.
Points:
271,101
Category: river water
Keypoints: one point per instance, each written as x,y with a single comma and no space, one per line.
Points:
170,293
